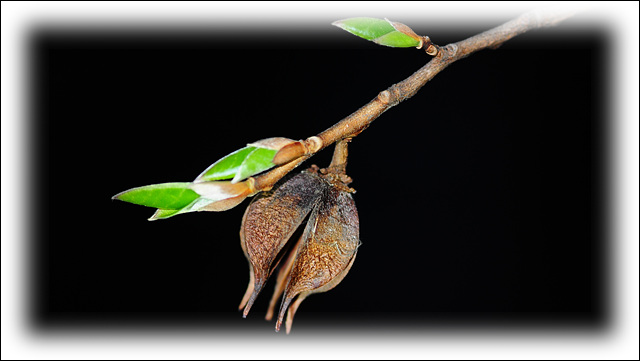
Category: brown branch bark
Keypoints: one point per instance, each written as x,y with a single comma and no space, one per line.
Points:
340,154
358,121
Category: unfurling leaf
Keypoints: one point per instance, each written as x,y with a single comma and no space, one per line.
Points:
226,167
170,196
382,32
259,160
197,205
210,192
172,199
243,163
164,213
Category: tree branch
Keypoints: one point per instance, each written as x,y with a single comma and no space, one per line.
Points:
358,121
340,154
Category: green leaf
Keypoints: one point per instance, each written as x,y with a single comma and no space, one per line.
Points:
396,39
164,213
257,161
194,206
381,32
367,28
169,196
240,164
226,167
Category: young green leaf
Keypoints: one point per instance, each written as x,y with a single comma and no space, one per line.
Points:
382,32
396,39
367,28
255,158
170,196
164,213
194,206
239,165
214,196
259,160
227,167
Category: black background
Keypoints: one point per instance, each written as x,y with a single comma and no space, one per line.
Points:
482,199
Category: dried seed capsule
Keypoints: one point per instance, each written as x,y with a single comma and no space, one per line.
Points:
326,252
269,222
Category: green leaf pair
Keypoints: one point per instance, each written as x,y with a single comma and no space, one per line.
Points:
382,32
181,197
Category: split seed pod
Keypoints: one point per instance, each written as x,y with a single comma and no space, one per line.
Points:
326,251
322,256
269,222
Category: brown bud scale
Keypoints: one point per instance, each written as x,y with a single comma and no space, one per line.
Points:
289,152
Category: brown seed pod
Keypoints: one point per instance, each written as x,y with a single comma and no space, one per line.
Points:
269,222
325,253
